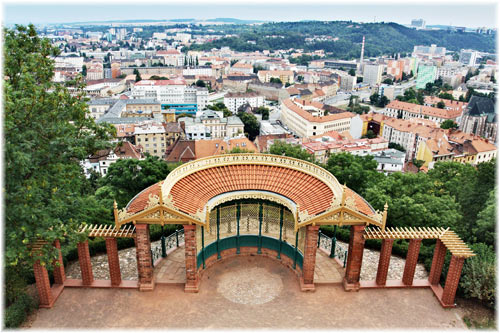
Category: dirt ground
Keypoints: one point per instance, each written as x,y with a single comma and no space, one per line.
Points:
229,299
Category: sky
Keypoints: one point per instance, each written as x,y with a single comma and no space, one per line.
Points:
471,14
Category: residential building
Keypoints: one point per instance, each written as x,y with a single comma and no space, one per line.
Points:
309,119
151,138
234,100
426,74
184,150
213,125
405,110
102,159
372,74
171,57
347,82
395,68
173,93
241,67
389,160
284,76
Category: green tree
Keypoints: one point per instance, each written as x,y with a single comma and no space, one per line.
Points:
388,81
383,101
352,72
446,96
286,149
137,75
397,146
127,177
440,105
200,83
357,172
374,98
252,126
275,80
84,70
484,228
263,111
448,123
370,135
46,133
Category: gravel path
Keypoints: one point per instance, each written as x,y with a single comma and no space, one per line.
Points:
128,265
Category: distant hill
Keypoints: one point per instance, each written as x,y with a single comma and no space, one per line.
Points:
381,38
233,20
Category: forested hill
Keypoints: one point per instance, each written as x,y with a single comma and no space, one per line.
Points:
381,38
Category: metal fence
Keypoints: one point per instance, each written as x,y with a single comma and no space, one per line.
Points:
330,244
167,243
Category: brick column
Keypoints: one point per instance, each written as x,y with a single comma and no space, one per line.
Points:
43,285
451,284
383,261
58,265
411,261
192,281
437,262
113,261
85,263
143,251
354,258
309,263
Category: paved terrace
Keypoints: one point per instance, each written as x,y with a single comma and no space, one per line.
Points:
248,292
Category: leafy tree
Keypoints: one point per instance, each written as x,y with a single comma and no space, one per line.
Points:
127,177
383,101
137,75
286,149
352,72
388,81
84,70
418,163
46,133
448,123
200,83
300,78
397,146
252,126
357,172
440,105
156,77
370,135
484,229
446,96
374,98
239,150
275,80
263,111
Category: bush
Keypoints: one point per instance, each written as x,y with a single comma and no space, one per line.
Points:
478,275
17,312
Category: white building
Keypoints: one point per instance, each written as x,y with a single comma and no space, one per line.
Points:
389,160
308,118
170,92
201,70
372,74
234,100
468,57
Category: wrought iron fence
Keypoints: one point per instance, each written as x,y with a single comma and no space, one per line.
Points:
166,243
330,244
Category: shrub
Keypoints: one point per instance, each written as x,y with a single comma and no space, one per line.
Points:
17,312
478,275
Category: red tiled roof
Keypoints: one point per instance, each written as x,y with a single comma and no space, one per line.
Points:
192,192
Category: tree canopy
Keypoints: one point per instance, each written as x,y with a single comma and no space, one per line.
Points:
46,133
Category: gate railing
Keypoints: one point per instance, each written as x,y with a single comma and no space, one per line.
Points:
166,243
330,244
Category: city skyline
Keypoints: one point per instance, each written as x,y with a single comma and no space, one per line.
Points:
467,15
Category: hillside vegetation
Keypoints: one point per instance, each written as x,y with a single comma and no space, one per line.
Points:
381,38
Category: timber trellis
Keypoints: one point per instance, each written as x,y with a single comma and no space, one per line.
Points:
256,204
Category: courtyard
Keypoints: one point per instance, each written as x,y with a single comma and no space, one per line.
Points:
248,292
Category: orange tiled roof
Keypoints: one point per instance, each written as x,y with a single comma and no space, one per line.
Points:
425,110
309,117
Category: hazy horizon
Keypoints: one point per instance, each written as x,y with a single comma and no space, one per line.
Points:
467,15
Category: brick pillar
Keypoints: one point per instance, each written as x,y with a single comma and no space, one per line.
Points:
58,265
85,263
437,262
113,261
143,251
43,285
192,281
411,261
383,261
354,258
451,284
309,257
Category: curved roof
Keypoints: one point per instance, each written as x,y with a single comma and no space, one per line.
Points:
190,186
